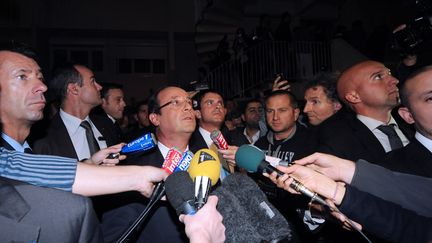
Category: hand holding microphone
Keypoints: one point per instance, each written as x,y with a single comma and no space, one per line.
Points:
204,169
252,159
228,152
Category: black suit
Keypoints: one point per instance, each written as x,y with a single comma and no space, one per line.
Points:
197,142
347,137
58,142
162,226
236,137
413,159
34,214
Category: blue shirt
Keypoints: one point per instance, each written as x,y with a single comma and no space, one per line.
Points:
40,170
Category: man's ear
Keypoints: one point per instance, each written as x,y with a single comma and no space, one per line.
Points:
337,105
243,118
154,119
198,114
296,113
72,88
406,114
352,97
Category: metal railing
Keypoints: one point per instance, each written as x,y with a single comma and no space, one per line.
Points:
297,61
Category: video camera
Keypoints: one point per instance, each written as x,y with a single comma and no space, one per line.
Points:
417,30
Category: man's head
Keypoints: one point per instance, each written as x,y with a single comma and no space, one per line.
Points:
142,114
21,89
416,97
368,88
252,113
282,112
76,84
171,112
113,100
321,98
211,110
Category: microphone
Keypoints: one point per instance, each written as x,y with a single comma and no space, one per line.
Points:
180,192
252,159
170,163
219,140
185,161
242,203
221,143
204,169
275,161
143,143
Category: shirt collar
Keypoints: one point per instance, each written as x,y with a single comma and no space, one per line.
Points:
206,135
71,122
373,123
14,144
424,141
164,149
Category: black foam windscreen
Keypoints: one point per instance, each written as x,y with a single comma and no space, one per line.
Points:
179,189
247,214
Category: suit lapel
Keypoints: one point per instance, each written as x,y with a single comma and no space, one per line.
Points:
369,142
61,135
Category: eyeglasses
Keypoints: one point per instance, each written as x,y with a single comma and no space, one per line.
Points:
178,103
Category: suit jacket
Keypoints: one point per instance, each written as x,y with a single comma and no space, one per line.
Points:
413,159
35,214
410,191
347,137
236,137
385,219
197,142
161,226
58,142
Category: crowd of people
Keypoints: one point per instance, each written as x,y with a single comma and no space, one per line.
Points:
360,141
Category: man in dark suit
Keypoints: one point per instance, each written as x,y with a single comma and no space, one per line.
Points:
112,107
35,214
249,134
369,89
67,135
172,114
416,157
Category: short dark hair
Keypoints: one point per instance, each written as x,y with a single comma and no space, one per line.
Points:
244,107
106,87
62,77
198,97
291,97
327,81
403,92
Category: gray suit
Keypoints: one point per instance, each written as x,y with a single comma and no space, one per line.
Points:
409,191
34,214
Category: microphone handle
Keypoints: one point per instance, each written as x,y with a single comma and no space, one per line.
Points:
296,185
135,227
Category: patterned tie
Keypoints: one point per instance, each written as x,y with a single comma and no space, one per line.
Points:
92,143
394,139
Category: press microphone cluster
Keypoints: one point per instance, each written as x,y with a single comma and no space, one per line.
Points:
173,159
253,159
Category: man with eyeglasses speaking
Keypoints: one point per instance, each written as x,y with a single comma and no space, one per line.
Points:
170,111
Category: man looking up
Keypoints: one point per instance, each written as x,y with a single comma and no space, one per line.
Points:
370,91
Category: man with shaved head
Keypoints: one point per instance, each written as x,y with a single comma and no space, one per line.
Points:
369,90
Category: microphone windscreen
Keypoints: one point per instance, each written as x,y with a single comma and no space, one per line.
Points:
247,214
205,163
179,189
249,157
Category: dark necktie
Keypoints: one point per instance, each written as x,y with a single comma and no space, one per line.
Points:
28,150
394,139
92,143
